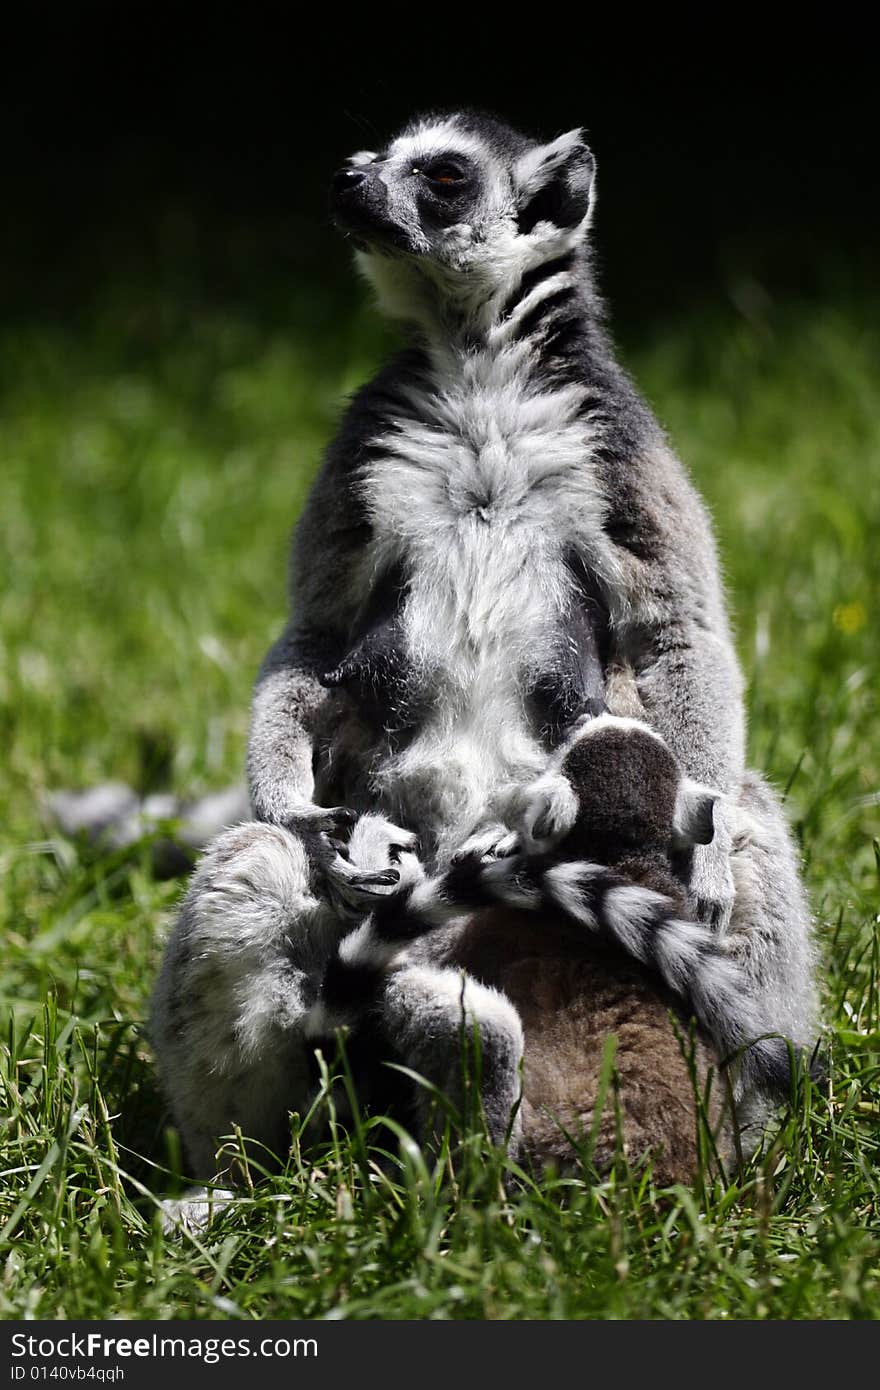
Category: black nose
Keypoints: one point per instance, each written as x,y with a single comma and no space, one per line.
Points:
347,180
359,203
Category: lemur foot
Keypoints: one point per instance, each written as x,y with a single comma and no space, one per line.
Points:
320,829
364,869
363,891
309,819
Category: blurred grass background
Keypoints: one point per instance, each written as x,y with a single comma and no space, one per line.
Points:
150,466
176,343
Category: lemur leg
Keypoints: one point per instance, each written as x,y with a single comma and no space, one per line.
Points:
433,1017
770,933
241,968
691,688
236,979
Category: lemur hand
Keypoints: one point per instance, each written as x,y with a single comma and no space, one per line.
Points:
711,888
322,831
308,819
543,812
495,841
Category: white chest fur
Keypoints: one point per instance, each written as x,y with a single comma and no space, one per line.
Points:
481,490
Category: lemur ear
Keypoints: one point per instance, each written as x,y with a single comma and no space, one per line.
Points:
555,183
694,819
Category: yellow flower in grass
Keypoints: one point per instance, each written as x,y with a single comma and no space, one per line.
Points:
850,617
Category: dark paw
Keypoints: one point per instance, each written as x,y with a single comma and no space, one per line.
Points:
707,912
381,878
322,820
354,892
323,832
711,912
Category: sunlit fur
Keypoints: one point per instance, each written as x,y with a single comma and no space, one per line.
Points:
499,478
643,813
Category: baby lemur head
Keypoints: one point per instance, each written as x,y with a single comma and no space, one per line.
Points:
463,205
633,798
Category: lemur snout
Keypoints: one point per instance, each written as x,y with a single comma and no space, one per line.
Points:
347,179
359,202
357,188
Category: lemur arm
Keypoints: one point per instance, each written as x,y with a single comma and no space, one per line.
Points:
292,692
289,699
670,625
287,704
343,622
690,687
334,602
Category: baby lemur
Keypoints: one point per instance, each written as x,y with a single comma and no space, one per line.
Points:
582,949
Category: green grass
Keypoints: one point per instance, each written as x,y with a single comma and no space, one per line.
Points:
151,462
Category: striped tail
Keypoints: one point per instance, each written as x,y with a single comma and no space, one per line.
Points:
353,977
711,985
686,955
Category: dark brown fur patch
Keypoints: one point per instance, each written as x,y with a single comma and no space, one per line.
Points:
626,782
571,996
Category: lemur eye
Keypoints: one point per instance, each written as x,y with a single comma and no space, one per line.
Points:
443,173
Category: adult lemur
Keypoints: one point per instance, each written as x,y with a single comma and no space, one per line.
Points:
497,495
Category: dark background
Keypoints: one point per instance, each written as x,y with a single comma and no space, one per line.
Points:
192,155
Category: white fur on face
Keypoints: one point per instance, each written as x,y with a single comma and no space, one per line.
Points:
403,293
436,138
476,264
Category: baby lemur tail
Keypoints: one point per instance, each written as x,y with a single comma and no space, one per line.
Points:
643,923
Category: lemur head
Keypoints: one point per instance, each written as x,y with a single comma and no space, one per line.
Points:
632,794
463,206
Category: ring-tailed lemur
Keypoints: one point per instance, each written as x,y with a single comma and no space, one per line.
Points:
496,491
619,796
